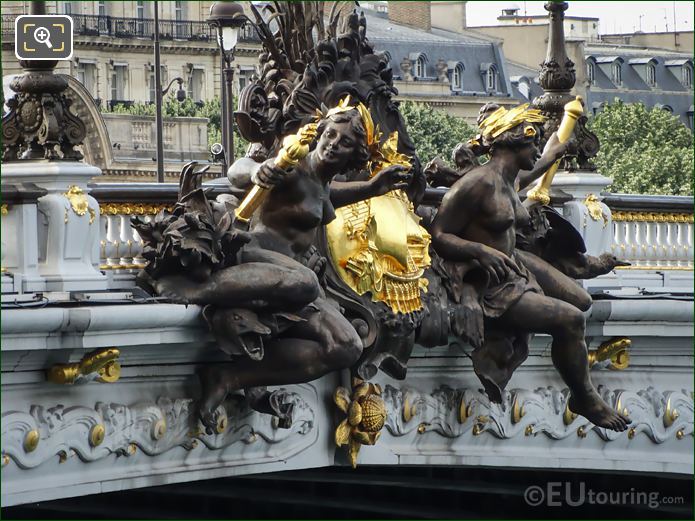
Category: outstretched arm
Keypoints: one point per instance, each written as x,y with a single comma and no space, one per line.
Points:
553,151
392,178
239,175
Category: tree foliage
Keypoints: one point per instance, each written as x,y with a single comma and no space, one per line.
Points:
434,132
644,151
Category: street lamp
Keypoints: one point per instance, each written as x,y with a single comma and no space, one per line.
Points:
180,92
226,18
159,94
180,97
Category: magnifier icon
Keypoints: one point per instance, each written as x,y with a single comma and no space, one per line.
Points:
43,35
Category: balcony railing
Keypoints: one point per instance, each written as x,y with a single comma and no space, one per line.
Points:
118,27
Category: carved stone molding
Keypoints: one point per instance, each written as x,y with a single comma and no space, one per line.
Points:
30,439
456,412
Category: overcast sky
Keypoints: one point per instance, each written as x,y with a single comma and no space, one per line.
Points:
614,16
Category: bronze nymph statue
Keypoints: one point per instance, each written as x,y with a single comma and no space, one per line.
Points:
268,304
475,232
317,259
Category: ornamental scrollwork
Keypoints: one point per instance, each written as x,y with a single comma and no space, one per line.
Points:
93,433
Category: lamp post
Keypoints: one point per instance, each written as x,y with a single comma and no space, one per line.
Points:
159,95
226,18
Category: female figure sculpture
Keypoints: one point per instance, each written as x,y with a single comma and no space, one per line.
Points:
302,335
475,232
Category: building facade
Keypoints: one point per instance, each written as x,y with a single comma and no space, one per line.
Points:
441,65
651,76
114,48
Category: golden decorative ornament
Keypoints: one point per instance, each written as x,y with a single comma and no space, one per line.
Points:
159,429
593,206
79,203
422,428
102,361
4,209
365,414
132,449
680,434
517,411
581,433
477,429
615,350
655,268
631,433
464,411
354,414
528,431
373,413
5,460
133,208
502,120
540,193
409,409
96,435
378,246
671,414
666,217
31,440
222,423
568,416
62,456
341,397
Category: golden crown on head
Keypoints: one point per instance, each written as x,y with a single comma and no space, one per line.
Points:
380,155
502,120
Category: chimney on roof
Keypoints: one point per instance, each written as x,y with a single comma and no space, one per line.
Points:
413,14
448,15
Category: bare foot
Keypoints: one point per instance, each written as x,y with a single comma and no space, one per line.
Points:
215,390
594,409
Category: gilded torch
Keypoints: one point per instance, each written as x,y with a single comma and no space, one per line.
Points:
541,192
295,147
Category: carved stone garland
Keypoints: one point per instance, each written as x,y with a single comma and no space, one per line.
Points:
454,412
30,439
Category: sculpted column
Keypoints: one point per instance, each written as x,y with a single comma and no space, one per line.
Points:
577,175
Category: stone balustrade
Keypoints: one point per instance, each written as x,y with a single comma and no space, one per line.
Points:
134,137
652,240
659,236
653,233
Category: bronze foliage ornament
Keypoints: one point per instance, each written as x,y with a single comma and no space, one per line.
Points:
322,258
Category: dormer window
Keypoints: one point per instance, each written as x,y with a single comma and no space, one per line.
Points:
651,75
456,69
617,73
420,67
491,82
687,74
591,73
